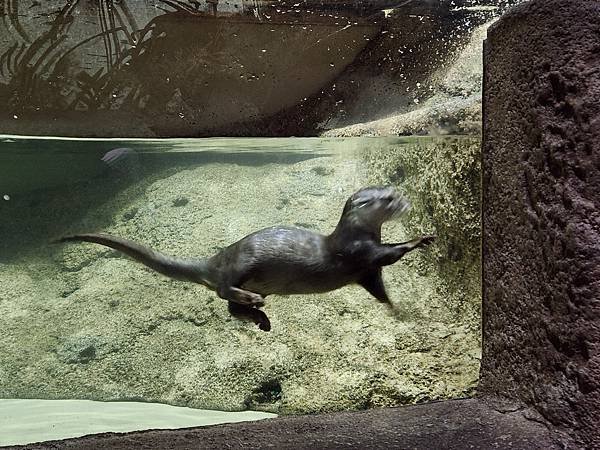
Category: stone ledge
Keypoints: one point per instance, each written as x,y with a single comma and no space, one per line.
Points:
451,425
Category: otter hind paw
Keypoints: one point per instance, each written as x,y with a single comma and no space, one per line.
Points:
264,323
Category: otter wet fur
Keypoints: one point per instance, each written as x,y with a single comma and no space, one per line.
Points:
289,260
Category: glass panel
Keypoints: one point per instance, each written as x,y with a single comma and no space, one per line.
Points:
83,321
112,112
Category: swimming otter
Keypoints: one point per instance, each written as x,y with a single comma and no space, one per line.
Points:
289,260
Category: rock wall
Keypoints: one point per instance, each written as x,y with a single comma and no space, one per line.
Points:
164,68
439,91
167,68
442,179
541,213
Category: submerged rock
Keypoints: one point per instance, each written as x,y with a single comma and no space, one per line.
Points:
81,349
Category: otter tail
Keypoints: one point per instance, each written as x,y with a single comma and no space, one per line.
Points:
177,268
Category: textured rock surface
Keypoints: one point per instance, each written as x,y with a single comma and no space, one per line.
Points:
435,172
140,68
542,213
451,425
82,321
444,100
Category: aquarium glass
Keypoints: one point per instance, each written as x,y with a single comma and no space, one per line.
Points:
186,125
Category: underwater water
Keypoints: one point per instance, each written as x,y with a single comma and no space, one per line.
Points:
82,321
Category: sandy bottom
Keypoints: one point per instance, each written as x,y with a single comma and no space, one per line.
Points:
28,421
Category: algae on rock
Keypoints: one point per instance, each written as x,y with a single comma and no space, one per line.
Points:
442,179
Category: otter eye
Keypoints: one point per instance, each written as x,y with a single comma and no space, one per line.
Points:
361,203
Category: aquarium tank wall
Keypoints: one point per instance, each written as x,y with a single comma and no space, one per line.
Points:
185,126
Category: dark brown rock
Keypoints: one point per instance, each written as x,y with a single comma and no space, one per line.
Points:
541,214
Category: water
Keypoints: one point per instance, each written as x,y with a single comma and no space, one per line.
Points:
81,321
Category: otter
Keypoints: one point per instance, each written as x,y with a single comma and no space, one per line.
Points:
288,260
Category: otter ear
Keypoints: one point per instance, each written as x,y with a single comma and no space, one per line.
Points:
347,206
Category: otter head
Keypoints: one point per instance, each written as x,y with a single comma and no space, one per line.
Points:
372,206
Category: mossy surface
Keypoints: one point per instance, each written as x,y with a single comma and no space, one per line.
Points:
442,179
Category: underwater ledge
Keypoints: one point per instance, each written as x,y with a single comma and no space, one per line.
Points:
451,425
27,421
